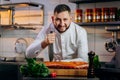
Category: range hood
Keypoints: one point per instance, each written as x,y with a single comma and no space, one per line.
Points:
19,5
19,26
11,8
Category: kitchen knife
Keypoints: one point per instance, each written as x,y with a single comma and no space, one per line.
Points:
51,53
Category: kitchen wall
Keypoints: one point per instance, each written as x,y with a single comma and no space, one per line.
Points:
96,35
9,36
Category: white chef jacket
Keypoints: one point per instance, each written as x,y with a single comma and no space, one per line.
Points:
70,45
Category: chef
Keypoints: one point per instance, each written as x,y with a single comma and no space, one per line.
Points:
69,39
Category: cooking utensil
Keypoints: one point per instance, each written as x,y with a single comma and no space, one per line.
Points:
51,53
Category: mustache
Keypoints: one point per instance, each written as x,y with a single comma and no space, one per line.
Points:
65,25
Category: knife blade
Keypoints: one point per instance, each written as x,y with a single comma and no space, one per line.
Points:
51,53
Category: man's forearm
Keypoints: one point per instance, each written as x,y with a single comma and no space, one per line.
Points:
44,44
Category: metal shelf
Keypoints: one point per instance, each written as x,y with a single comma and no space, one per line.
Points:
12,7
116,23
19,26
19,5
89,1
77,2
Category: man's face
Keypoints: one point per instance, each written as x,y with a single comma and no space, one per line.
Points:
62,21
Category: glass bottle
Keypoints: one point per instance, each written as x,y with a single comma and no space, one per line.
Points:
89,15
118,15
105,15
96,62
97,15
113,12
78,15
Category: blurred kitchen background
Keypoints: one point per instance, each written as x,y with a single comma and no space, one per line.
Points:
28,21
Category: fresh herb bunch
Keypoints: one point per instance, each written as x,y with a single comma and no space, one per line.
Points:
34,69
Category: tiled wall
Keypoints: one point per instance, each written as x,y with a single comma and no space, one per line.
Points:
96,35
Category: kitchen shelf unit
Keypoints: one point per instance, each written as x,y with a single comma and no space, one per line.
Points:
77,2
89,1
116,23
21,4
11,8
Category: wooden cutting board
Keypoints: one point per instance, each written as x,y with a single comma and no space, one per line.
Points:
68,68
70,72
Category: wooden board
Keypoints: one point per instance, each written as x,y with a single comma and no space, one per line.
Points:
67,65
70,72
68,68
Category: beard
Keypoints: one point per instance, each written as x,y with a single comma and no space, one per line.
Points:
62,29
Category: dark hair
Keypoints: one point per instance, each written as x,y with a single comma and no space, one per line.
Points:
62,7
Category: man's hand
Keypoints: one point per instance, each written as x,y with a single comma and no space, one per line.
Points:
50,38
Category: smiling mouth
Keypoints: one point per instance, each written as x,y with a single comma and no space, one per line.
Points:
61,29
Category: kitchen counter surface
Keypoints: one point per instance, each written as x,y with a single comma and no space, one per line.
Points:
108,73
12,62
61,78
11,70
